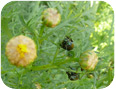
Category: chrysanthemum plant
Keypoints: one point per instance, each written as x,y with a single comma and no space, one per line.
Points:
55,44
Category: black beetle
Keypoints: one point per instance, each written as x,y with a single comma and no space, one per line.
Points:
72,75
67,43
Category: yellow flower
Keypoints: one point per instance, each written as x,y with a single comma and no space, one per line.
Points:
21,50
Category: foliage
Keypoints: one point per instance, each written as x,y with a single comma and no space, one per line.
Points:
90,27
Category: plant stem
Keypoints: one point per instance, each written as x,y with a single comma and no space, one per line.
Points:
29,28
55,55
41,31
95,78
55,65
40,39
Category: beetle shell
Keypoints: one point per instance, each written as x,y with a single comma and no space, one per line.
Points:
73,75
67,44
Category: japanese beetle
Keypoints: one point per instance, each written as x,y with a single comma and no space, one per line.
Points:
67,43
72,75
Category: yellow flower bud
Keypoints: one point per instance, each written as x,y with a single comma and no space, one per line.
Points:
88,60
51,17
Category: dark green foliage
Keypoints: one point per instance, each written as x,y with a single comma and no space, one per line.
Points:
89,26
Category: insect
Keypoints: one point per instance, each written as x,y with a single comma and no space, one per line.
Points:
67,43
72,75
